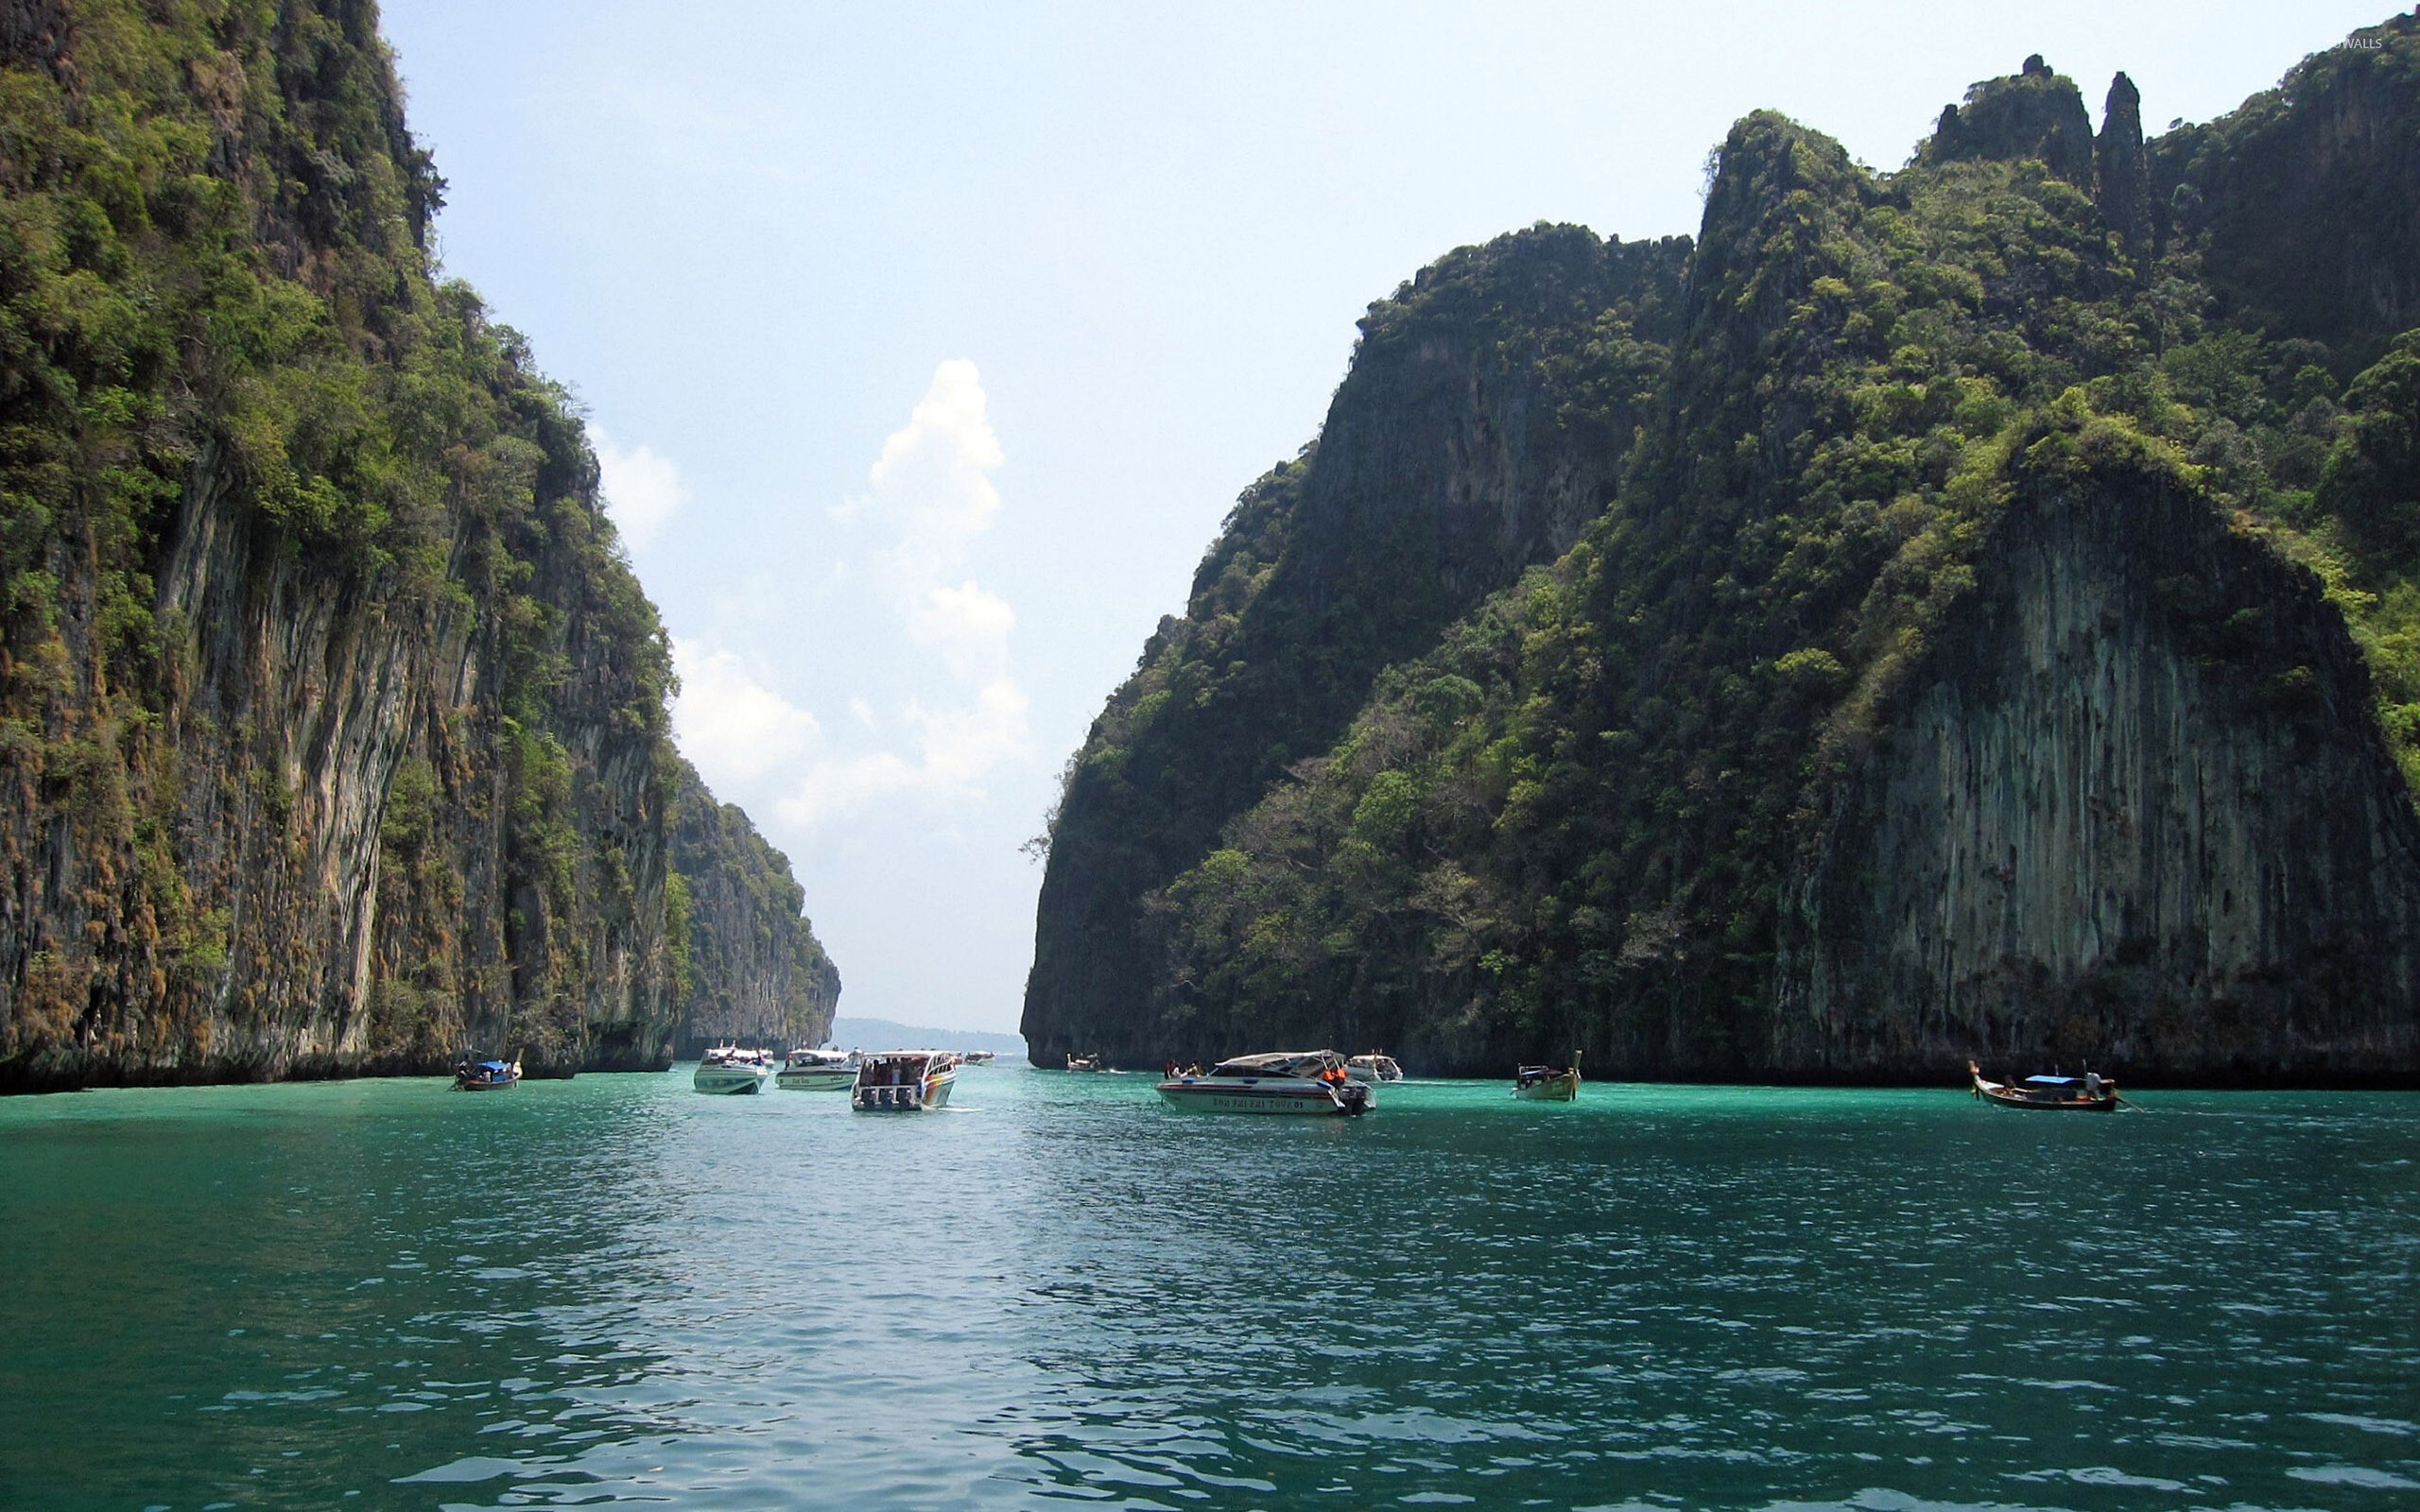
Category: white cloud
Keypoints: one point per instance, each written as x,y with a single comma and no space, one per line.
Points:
731,725
929,495
969,626
932,484
932,481
959,746
642,488
955,749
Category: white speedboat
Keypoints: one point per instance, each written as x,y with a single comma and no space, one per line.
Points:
1285,1082
727,1070
904,1081
1373,1068
809,1070
979,1057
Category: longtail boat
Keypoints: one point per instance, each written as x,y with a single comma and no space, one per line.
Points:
488,1076
2088,1093
1549,1084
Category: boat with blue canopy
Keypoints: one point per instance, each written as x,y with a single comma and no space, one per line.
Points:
487,1075
2091,1093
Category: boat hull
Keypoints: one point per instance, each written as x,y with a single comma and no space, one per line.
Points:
481,1084
2001,1098
731,1081
1281,1098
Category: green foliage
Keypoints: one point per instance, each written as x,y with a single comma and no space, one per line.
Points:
677,915
2371,481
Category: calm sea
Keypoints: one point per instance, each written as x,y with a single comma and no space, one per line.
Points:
382,1294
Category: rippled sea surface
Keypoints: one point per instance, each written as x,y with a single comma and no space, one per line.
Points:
382,1294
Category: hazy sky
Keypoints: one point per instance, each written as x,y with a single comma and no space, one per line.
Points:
926,346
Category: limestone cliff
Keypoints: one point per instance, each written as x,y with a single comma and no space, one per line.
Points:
2002,638
332,720
1489,407
2301,199
2130,813
767,980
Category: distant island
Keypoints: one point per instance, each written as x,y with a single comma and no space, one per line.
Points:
885,1033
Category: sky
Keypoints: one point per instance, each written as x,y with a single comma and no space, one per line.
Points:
926,346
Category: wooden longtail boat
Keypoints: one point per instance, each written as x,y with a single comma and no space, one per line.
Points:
488,1076
2088,1093
1549,1084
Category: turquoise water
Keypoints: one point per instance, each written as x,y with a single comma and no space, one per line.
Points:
384,1294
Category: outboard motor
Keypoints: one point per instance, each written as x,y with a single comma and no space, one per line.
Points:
1355,1097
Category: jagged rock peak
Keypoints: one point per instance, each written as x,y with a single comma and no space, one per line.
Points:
2123,169
2037,112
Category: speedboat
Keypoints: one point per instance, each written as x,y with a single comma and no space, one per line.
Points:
1285,1081
1083,1062
809,1070
978,1057
1373,1068
729,1071
904,1081
487,1075
1549,1084
2088,1093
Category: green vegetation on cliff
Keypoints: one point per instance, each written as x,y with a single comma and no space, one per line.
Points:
1608,806
1489,409
332,718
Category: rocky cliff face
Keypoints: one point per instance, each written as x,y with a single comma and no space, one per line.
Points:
2002,639
2128,815
764,979
332,722
1484,422
2032,113
2301,199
